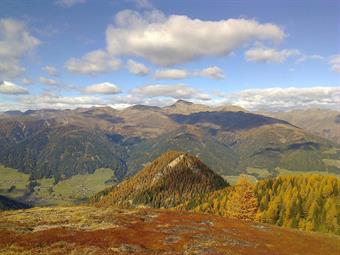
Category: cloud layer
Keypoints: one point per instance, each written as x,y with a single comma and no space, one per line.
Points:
178,91
167,41
286,98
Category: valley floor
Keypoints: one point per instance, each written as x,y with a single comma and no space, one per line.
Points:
89,230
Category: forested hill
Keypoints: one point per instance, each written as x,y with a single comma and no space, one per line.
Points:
307,202
168,181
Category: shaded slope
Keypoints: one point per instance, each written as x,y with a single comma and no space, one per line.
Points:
166,182
61,152
217,156
9,204
226,120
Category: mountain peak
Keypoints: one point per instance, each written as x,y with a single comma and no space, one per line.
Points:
171,179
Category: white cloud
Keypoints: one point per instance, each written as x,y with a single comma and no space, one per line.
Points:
47,100
93,63
304,58
213,72
105,88
170,74
269,55
286,98
69,3
137,68
10,88
178,91
335,63
15,42
48,81
50,70
176,39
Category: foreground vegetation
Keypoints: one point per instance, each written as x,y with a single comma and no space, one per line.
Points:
87,230
306,202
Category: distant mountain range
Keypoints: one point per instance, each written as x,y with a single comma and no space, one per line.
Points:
229,140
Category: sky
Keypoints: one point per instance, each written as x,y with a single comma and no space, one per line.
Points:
260,55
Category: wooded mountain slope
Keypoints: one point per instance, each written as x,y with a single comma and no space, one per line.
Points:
168,181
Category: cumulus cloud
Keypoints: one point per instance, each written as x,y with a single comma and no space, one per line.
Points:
286,98
15,42
175,39
105,88
10,88
93,63
178,91
170,74
269,55
335,63
213,72
48,81
137,68
50,70
69,3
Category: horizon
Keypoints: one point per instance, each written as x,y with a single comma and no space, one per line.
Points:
120,108
80,53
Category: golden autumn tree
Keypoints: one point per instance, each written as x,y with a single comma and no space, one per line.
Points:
242,203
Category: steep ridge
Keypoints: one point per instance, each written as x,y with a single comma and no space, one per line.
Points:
171,179
321,122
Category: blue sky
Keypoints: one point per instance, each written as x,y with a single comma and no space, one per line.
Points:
270,55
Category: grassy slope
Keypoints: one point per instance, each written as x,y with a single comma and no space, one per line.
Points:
11,177
88,230
73,190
